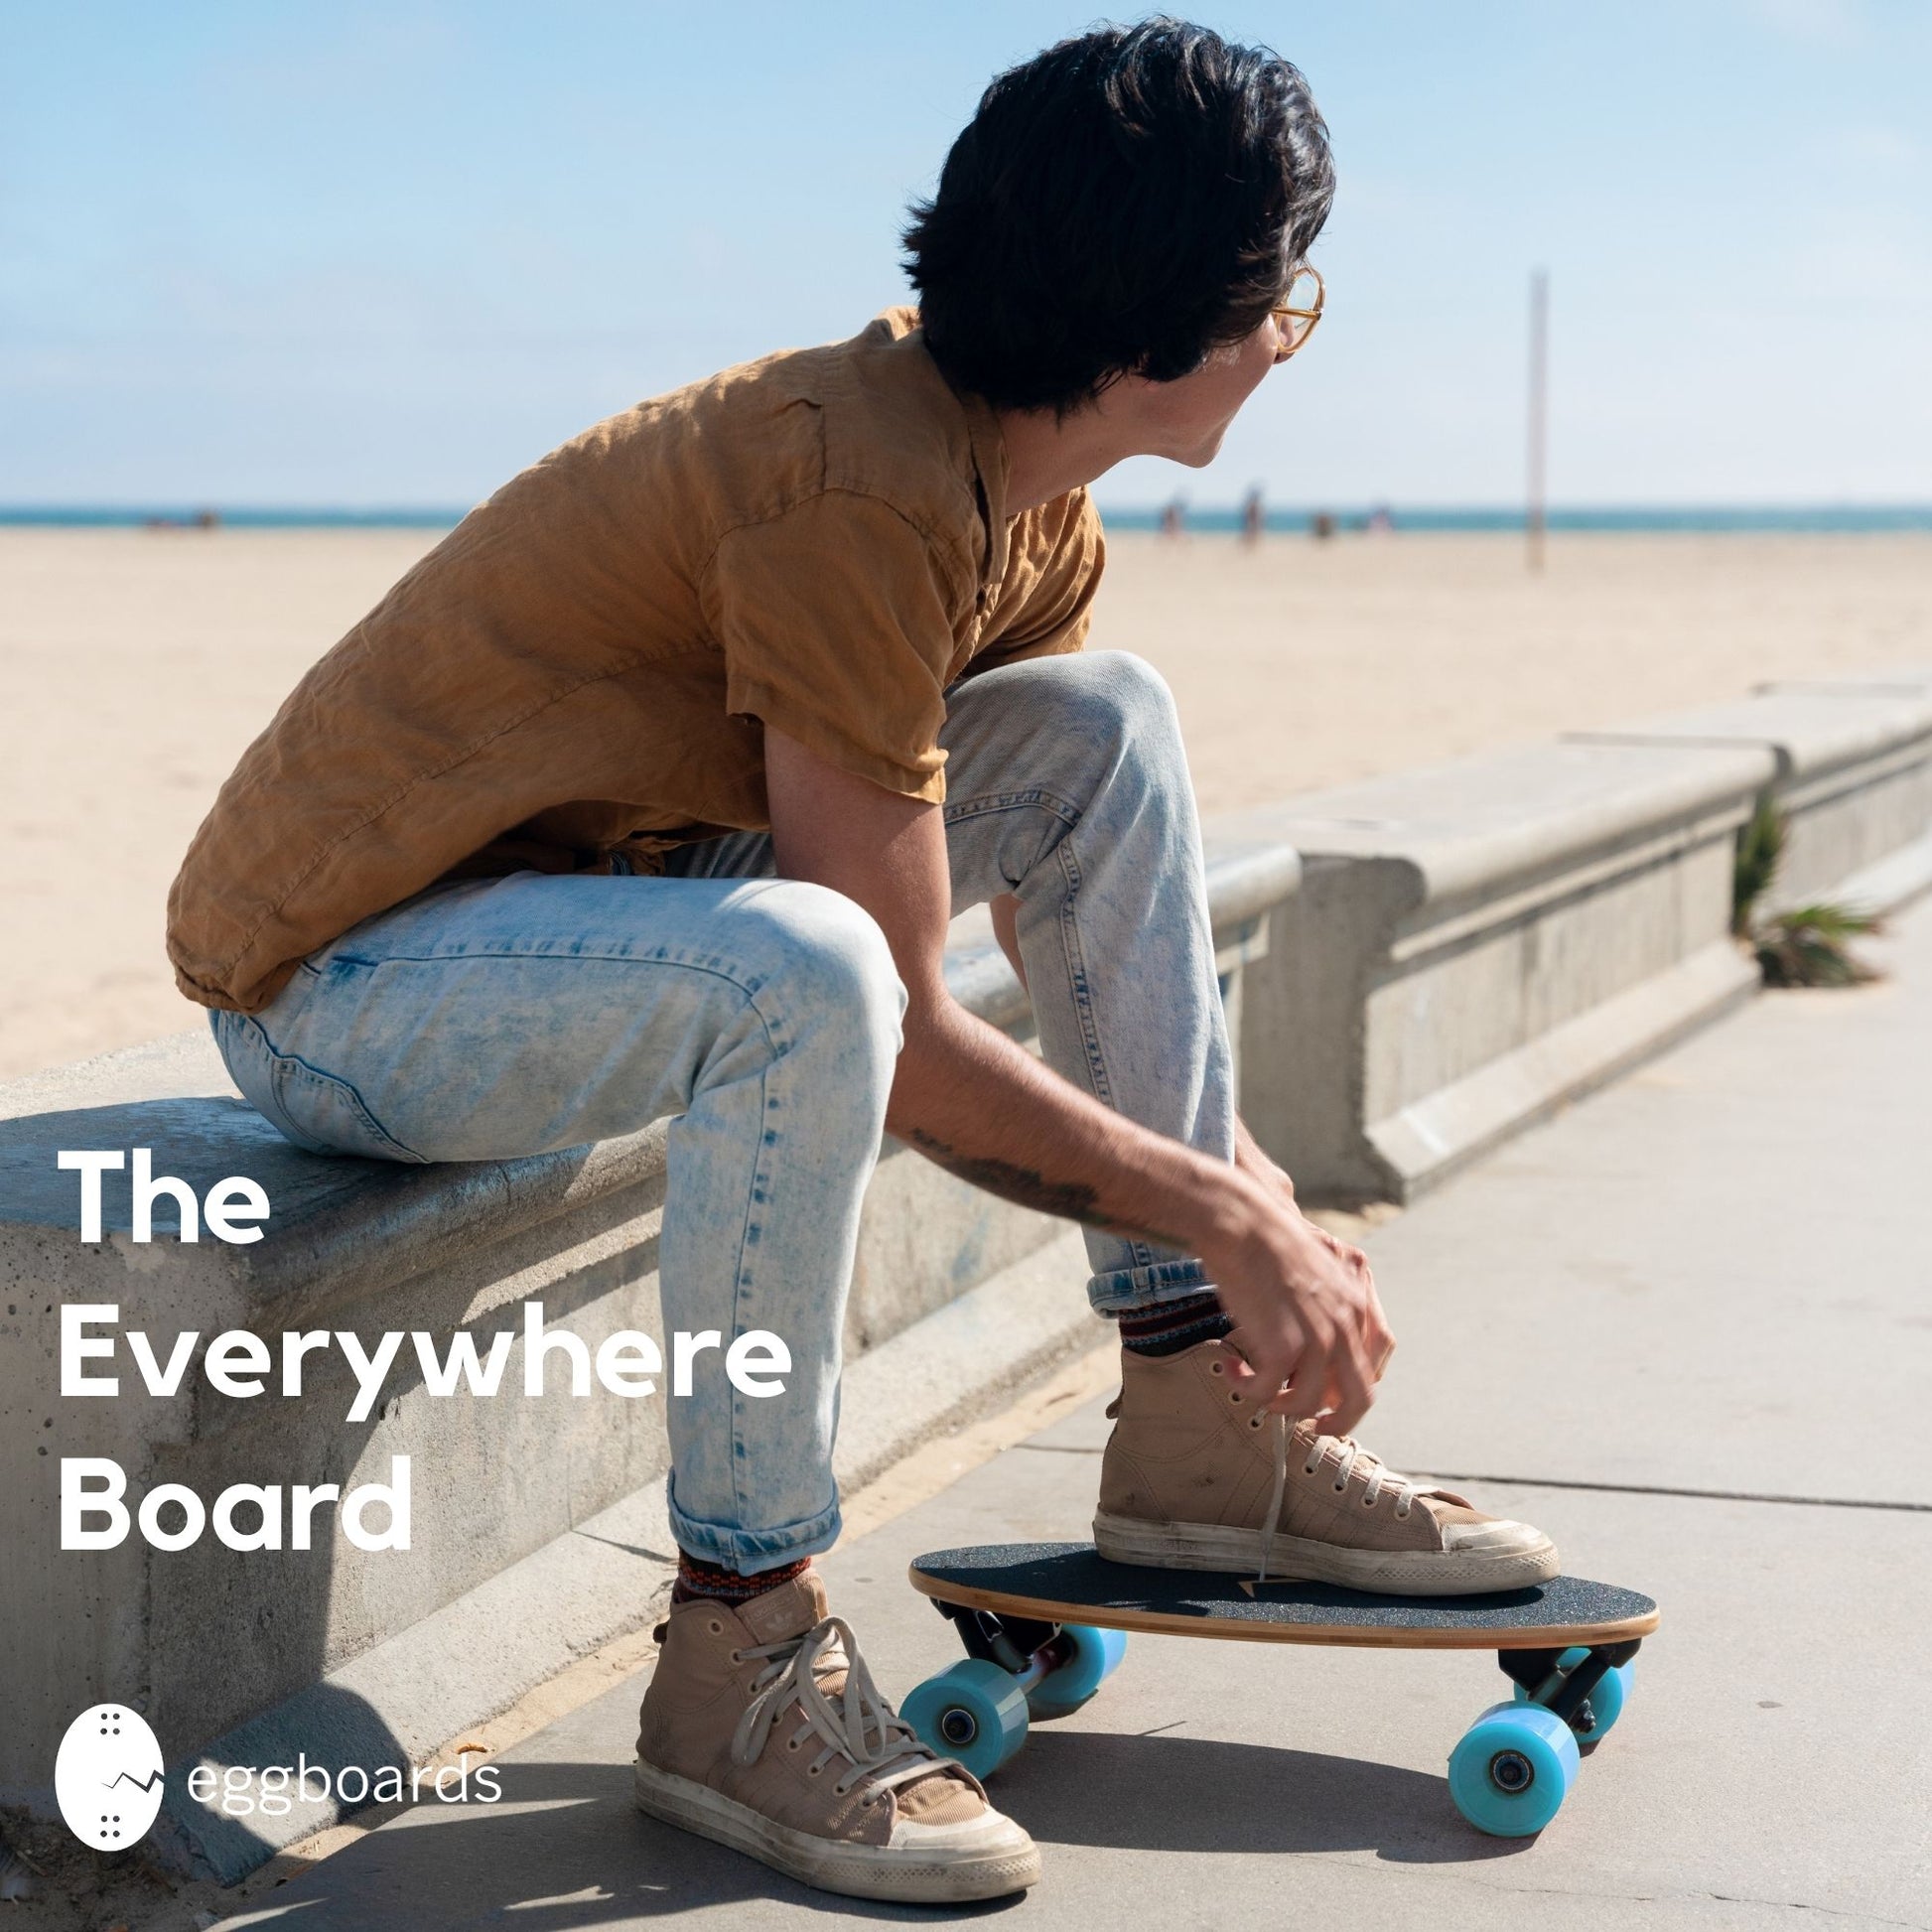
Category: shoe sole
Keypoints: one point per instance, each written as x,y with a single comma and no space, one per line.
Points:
1300,1558
856,1870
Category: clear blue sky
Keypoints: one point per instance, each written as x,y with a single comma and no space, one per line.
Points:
348,253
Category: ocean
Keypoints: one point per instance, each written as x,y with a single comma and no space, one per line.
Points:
1690,519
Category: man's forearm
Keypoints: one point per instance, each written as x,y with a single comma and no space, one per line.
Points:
1249,1158
970,1099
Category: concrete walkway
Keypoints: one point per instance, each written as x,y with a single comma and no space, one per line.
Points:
1716,1278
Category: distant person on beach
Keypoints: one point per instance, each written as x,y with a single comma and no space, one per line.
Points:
1174,518
1253,521
649,794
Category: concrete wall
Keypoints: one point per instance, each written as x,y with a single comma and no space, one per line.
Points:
1854,773
354,1246
1476,942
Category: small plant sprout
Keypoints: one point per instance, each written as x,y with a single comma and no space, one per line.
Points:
1803,945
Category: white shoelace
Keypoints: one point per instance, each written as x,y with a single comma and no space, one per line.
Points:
1349,1452
846,1729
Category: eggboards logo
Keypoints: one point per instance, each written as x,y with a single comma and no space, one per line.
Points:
107,1777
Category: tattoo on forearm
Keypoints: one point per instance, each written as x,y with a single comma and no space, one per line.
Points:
1072,1201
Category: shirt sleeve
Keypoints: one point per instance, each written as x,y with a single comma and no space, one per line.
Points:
835,623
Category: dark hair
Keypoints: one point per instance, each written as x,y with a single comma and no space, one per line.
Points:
1123,203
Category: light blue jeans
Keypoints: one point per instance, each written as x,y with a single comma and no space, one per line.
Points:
499,1017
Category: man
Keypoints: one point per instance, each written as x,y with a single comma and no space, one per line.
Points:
651,791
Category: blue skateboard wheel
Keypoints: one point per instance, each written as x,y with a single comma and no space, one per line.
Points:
1093,1657
973,1712
1513,1769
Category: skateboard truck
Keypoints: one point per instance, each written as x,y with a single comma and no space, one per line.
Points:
1026,1649
1543,1677
1017,1670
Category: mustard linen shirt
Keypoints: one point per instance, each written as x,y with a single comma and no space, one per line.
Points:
817,541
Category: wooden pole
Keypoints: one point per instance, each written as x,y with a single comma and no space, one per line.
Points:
1539,414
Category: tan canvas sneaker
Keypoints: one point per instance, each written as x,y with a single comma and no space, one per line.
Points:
1197,1477
760,1727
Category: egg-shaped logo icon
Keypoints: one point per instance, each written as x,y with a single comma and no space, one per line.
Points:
107,1777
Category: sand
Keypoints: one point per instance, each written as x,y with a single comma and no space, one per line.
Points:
139,664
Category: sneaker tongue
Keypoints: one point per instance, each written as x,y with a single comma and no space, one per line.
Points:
789,1611
1367,1462
1311,1435
942,1797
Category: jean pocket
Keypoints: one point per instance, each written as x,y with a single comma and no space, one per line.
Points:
305,1105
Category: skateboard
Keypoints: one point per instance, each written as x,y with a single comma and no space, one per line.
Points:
1045,1626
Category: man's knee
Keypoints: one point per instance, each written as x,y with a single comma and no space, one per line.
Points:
831,964
1112,698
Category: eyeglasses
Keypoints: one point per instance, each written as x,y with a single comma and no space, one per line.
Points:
1296,318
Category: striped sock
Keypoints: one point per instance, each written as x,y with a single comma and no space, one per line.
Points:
696,1577
1169,1327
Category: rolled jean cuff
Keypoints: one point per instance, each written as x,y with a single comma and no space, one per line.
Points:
748,1553
1127,1291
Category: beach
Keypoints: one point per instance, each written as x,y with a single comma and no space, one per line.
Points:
140,663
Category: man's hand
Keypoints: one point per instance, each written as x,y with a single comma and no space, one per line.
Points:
1379,1338
1305,1316
977,1103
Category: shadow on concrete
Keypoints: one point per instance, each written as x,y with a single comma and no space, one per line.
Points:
323,1726
1165,1793
566,1847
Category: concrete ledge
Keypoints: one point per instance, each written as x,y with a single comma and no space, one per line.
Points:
1893,883
1897,680
1469,947
1444,1131
1854,769
1475,942
578,1232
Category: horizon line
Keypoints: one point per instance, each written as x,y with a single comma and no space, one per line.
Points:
111,510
